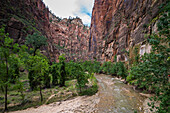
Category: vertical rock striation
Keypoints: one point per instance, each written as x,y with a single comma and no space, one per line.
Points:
119,25
70,37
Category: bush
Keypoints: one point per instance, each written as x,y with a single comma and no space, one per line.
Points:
54,70
107,67
62,70
152,73
122,71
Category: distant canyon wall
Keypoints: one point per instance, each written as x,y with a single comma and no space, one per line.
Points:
70,37
120,25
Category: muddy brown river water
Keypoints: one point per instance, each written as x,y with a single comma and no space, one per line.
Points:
113,97
117,97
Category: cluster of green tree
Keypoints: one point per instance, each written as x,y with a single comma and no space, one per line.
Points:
116,69
151,71
111,68
15,58
74,70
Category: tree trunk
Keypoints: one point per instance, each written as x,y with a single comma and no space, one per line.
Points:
2,89
6,92
6,85
80,89
41,94
34,52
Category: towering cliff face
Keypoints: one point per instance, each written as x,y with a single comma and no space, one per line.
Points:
119,25
23,17
65,36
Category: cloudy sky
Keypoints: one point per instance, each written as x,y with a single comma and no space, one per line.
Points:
66,8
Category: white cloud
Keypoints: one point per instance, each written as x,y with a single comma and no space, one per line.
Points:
66,8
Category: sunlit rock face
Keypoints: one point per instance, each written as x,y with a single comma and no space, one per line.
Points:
65,36
70,37
119,25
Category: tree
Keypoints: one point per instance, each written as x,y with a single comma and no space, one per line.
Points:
107,67
122,70
47,79
69,72
20,88
81,77
36,41
62,70
79,74
16,72
96,67
54,70
7,59
38,64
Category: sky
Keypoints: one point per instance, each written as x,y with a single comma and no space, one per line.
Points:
73,8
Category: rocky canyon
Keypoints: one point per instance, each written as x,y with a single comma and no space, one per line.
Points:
57,64
116,26
120,25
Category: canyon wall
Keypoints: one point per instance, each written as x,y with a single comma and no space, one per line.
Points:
70,37
118,26
64,36
22,17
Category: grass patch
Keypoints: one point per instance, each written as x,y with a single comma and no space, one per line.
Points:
57,98
92,89
89,91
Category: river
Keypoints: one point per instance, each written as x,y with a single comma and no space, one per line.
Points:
117,97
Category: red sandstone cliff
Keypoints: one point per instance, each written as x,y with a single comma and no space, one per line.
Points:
23,17
121,24
65,36
70,37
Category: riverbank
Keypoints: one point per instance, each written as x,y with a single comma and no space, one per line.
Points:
113,96
53,95
80,104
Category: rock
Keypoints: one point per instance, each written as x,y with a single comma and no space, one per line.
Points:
120,25
70,37
146,95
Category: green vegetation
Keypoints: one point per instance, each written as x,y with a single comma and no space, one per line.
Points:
36,41
7,55
27,76
9,63
62,70
115,69
38,66
151,73
54,70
